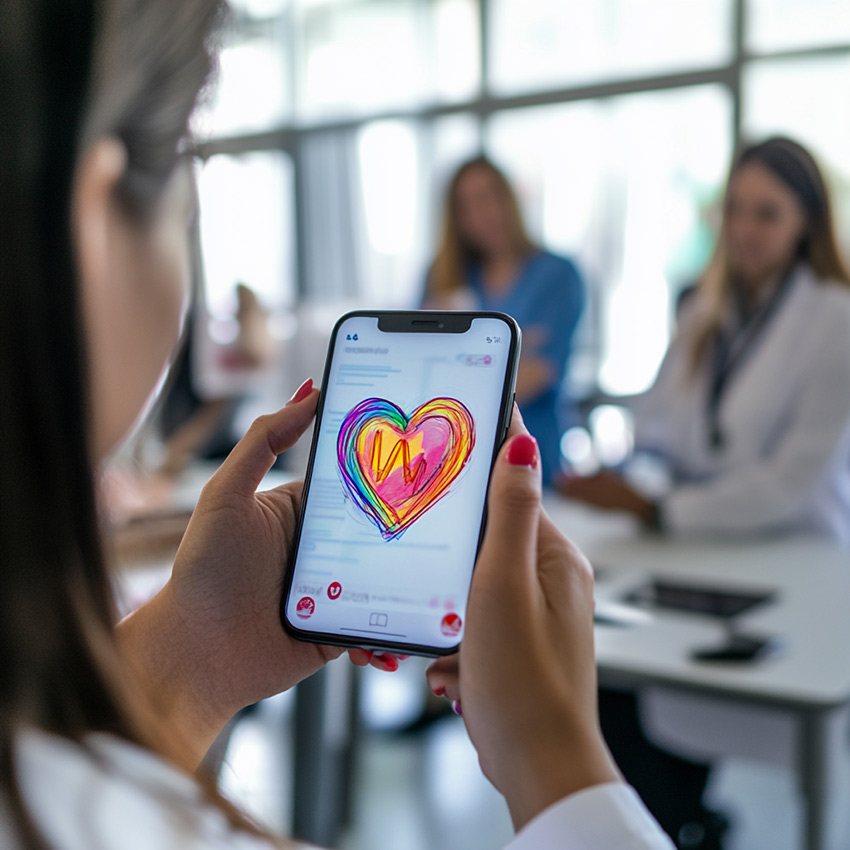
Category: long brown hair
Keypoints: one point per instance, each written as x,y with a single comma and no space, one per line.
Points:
70,73
455,254
797,169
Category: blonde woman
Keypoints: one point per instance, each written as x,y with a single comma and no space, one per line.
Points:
487,261
751,412
751,406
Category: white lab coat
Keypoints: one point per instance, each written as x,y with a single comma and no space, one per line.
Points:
785,416
113,795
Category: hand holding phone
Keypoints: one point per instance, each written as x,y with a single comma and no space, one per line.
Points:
414,406
526,670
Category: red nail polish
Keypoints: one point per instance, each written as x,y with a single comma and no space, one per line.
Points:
522,451
439,692
302,392
390,664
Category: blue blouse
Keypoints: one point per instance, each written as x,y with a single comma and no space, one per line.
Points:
547,301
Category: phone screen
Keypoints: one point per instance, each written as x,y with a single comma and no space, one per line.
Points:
395,494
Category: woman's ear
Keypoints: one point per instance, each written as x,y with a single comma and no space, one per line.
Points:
100,168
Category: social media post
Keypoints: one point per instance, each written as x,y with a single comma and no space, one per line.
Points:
399,479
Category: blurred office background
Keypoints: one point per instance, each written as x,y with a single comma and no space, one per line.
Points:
327,143
335,124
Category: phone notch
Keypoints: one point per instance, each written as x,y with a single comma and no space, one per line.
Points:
426,321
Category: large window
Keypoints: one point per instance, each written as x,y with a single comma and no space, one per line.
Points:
807,98
247,229
253,90
402,167
617,120
363,56
646,168
773,25
540,44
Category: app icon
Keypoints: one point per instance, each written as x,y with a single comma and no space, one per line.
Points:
450,625
305,607
377,619
334,590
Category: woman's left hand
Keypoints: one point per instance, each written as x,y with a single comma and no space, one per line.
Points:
610,492
211,641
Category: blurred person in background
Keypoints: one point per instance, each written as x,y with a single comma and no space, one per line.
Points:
751,414
195,420
197,424
750,410
102,724
486,261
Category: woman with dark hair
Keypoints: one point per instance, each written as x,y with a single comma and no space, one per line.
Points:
102,726
487,261
751,406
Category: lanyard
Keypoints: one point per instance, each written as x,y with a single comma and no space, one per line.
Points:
730,351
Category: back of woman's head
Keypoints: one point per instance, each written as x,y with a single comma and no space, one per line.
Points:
70,73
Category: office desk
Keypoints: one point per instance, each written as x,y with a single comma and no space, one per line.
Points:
809,681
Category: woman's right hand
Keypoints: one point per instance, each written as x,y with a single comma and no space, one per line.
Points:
525,675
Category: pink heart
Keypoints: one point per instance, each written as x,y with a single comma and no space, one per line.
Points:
396,467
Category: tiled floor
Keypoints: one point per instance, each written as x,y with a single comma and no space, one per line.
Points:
427,791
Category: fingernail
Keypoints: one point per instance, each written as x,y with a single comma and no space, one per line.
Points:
402,657
456,707
439,692
389,663
302,392
522,451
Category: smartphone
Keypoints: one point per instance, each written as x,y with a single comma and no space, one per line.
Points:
413,409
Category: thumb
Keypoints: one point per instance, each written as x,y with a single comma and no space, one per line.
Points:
513,512
268,436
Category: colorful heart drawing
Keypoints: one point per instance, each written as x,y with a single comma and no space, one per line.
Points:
397,467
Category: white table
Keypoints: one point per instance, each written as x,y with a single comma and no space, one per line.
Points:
809,681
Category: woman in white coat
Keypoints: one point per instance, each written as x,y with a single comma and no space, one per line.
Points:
751,413
751,406
103,725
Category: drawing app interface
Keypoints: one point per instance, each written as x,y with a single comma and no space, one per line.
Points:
399,482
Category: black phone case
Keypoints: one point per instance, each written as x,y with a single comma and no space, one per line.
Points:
421,321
